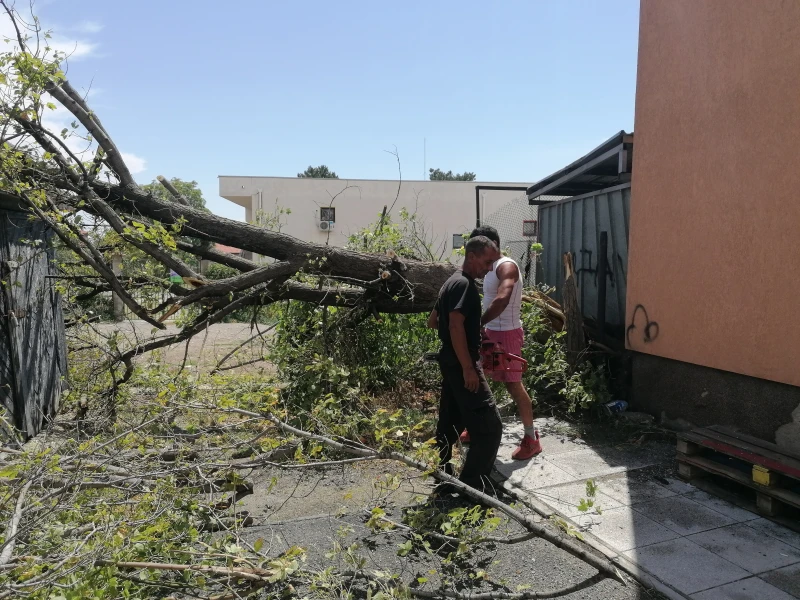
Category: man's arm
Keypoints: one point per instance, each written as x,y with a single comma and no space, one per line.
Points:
458,337
433,319
508,274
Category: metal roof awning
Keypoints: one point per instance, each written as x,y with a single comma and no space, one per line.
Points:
607,165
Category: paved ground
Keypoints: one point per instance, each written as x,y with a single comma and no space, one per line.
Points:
698,545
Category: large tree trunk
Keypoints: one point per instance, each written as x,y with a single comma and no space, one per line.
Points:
395,284
417,282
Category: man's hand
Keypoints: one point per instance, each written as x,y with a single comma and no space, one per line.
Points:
458,337
471,380
433,319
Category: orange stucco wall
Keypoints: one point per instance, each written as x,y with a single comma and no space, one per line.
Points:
714,253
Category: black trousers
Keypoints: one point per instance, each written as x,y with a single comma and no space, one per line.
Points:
477,412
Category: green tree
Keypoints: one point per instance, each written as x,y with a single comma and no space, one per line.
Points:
193,195
187,189
439,175
320,172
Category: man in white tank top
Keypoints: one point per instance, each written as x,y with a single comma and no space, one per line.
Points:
502,319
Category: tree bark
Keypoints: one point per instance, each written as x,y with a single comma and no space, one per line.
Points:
576,342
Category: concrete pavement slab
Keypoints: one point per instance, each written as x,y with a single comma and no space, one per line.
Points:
540,473
677,486
786,579
747,547
752,588
721,506
686,566
566,497
624,529
682,515
554,444
588,463
628,490
785,535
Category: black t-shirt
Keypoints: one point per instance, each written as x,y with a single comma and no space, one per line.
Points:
459,293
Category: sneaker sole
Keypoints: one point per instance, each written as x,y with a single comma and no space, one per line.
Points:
527,457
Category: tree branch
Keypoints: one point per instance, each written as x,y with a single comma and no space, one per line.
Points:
214,255
13,525
98,266
72,101
171,189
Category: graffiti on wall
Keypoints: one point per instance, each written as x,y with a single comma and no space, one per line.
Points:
586,254
643,326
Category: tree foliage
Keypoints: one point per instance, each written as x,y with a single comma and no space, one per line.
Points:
439,175
187,189
320,172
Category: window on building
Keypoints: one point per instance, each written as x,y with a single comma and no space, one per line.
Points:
458,241
327,213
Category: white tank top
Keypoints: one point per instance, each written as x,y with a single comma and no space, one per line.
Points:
510,318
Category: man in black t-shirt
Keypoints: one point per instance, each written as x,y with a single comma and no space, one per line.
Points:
466,399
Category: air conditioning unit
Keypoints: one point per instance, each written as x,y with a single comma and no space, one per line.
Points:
326,225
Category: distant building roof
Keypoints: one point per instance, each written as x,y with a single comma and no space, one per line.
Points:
607,165
228,249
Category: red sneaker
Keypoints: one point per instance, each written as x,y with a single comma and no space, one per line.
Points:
528,448
464,437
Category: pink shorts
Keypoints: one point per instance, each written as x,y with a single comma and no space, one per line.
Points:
512,343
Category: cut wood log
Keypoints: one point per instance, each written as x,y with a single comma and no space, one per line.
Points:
576,340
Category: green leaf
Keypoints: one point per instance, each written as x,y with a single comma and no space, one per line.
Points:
259,544
404,549
11,471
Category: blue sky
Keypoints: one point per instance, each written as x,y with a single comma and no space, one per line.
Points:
510,90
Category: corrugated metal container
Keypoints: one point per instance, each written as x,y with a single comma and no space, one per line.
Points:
33,348
574,225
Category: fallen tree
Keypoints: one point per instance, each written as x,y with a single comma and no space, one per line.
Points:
58,184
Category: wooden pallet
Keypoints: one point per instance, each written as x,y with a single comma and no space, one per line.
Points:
772,472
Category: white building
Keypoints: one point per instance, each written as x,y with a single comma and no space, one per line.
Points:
330,210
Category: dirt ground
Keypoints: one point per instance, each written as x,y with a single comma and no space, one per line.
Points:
206,349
